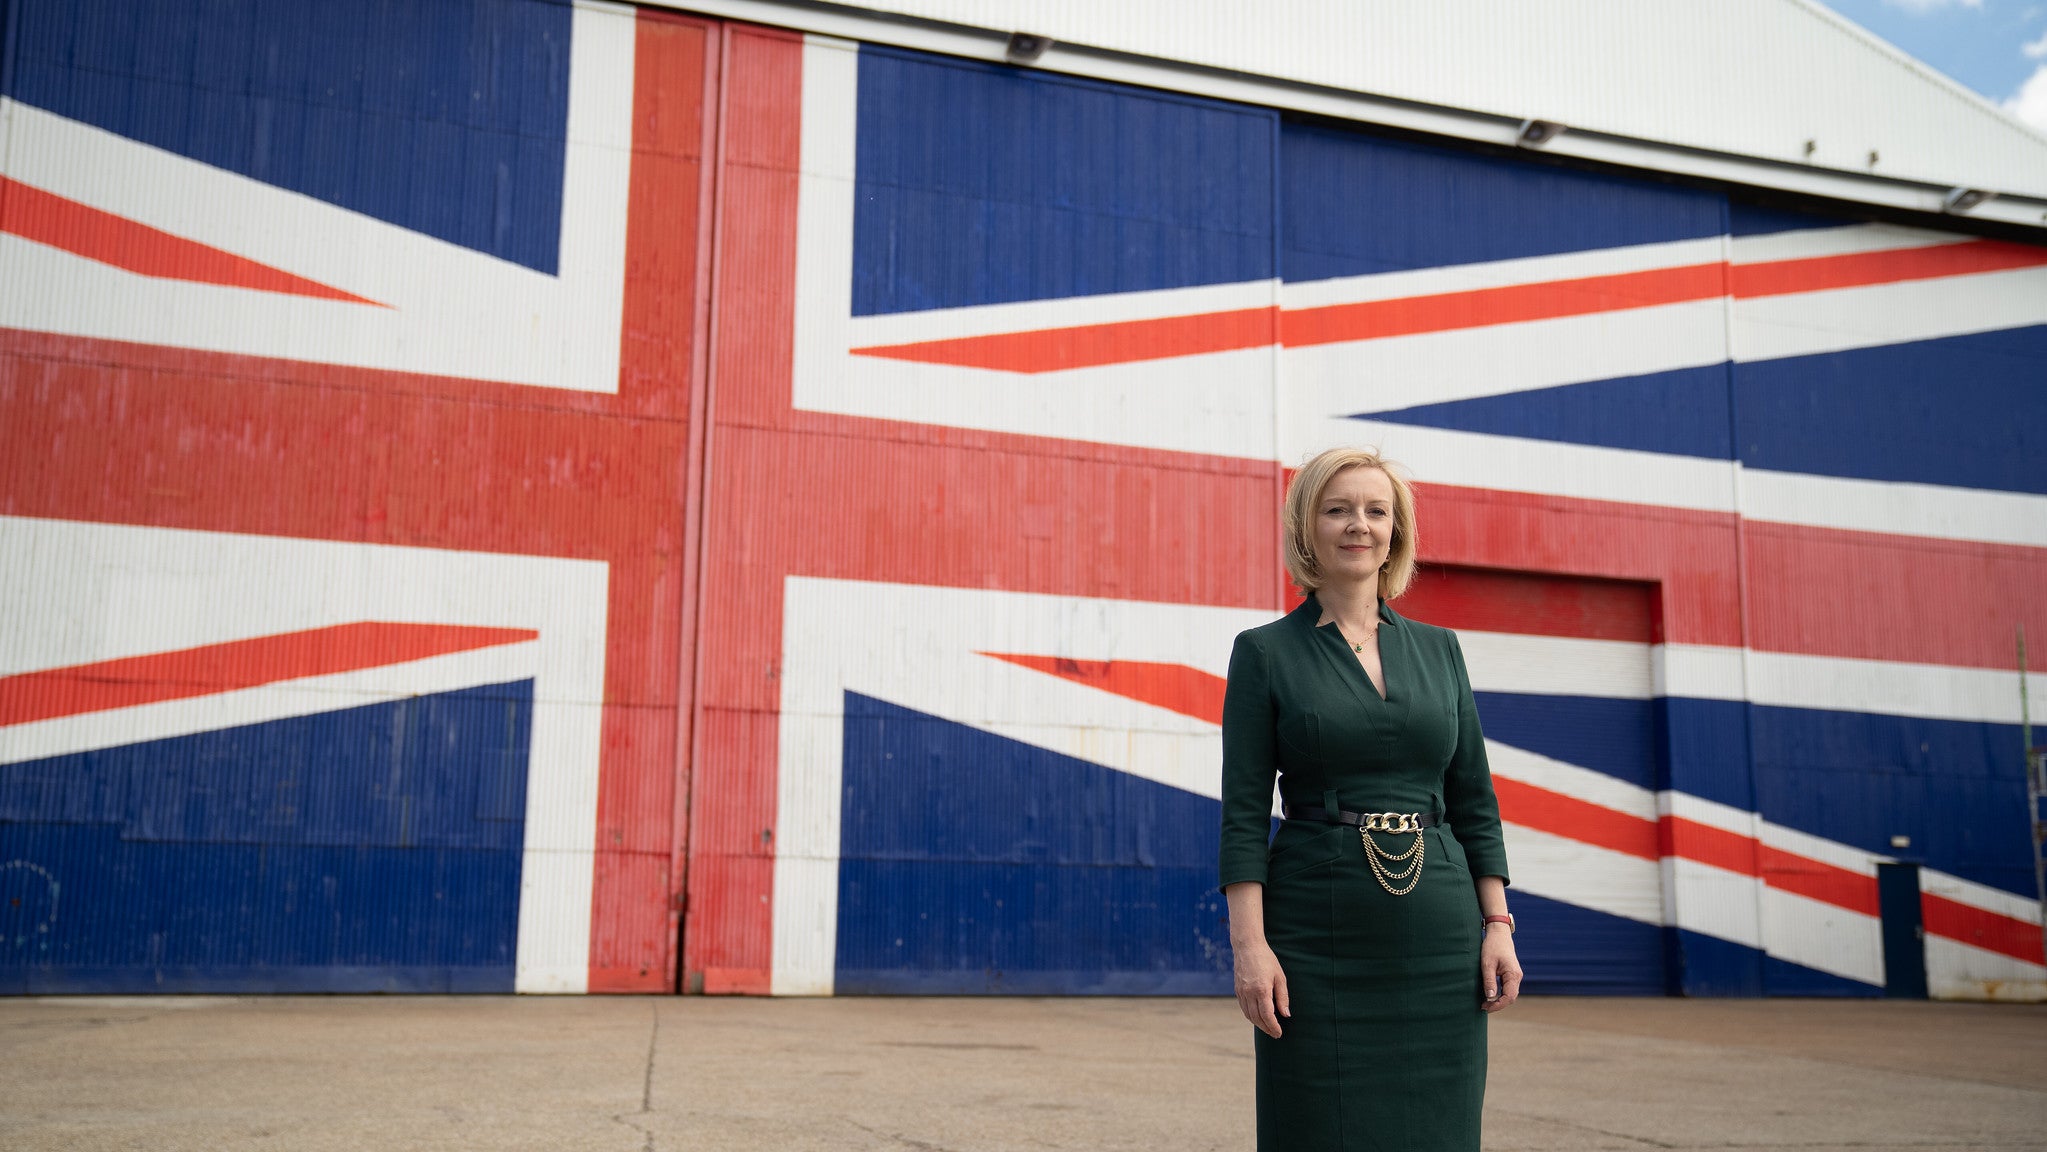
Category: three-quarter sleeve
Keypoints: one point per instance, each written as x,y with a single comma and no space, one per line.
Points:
1468,799
1249,763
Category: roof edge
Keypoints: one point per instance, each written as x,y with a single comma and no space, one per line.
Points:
2006,210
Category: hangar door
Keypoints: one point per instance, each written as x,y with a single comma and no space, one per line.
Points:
1560,666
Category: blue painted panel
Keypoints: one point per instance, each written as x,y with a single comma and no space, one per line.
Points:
1967,411
370,849
1683,412
1616,737
1783,978
1755,220
983,184
974,863
447,118
1353,204
1956,788
1703,965
1572,951
1706,748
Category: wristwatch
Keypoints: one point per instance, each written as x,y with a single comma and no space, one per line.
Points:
1506,918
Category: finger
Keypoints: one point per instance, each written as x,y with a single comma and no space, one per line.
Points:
1268,1022
1280,995
1513,985
1248,1005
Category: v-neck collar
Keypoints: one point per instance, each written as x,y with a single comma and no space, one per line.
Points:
1329,634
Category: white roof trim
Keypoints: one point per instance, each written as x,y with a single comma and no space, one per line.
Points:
1945,137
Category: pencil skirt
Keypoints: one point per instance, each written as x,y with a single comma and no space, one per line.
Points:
1386,1045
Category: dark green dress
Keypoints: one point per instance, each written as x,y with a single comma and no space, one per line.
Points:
1386,1047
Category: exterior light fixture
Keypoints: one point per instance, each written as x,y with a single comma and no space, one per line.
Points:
1963,199
1025,48
1536,133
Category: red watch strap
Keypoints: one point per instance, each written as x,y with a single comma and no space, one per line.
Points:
1507,920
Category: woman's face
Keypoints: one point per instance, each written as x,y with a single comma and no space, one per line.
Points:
1354,525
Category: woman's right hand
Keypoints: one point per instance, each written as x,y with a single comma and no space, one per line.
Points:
1261,986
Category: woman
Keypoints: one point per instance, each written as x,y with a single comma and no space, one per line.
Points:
1372,936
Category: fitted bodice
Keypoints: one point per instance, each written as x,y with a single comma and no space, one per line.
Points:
1300,708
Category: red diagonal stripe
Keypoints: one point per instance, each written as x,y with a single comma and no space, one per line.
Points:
1132,341
1691,840
82,230
1174,687
1804,876
1575,819
237,664
1992,931
1862,269
1514,304
1090,345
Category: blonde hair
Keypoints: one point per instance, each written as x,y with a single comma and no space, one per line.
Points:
1297,515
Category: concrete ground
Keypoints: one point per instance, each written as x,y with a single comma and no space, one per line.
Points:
854,1074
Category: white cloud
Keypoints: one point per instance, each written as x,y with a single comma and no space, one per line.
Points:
1922,7
2037,48
2029,103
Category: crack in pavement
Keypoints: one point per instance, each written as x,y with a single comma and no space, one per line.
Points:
905,1141
631,1119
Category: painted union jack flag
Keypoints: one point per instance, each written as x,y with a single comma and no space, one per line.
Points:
517,495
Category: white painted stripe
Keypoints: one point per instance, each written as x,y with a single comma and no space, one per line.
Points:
1556,665
1552,468
1958,971
1302,294
1853,239
1818,849
1388,373
1515,464
1840,319
1575,872
1840,684
1063,312
1713,901
1823,936
1895,508
1698,672
1712,814
67,735
1512,763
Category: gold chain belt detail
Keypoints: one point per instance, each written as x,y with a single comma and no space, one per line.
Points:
1377,857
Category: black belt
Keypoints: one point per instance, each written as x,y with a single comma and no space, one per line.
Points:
1377,821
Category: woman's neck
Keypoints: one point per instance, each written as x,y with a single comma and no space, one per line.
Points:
1353,606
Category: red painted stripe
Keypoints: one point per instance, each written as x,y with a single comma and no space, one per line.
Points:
1514,304
1132,341
1090,345
1863,269
82,230
1705,844
215,668
1991,931
1810,878
1174,687
1575,819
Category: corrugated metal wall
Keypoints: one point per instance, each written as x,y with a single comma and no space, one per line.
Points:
544,497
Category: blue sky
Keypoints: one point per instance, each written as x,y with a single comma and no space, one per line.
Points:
1997,47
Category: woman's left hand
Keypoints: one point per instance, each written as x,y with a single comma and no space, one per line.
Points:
1499,969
